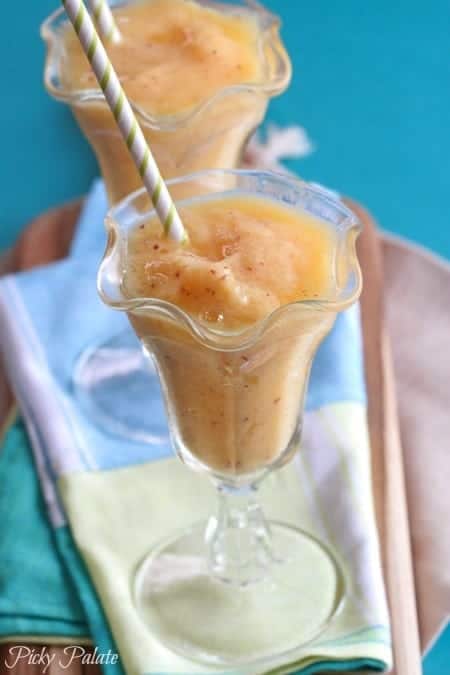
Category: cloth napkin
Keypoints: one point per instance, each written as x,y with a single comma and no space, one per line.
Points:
113,498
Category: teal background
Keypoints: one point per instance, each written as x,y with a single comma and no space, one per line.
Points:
371,86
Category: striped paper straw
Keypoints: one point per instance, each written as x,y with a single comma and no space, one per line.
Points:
104,20
125,118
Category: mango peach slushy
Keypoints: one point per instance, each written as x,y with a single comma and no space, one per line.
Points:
199,77
234,411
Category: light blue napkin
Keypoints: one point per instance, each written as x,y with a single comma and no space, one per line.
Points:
49,316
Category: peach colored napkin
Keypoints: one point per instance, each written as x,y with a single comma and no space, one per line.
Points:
418,317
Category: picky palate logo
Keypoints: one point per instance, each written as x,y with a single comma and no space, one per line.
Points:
64,657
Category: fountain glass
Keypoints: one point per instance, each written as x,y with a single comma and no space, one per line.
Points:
253,572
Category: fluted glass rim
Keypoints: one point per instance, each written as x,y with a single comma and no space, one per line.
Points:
280,72
349,229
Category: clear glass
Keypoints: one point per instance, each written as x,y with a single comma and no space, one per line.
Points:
234,402
212,135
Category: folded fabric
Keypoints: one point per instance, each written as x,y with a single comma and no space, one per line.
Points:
418,312
37,596
117,496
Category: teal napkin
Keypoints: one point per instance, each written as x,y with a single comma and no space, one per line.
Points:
37,596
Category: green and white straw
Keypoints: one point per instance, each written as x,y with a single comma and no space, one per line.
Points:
125,118
104,20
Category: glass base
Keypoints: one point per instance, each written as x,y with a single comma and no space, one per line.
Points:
209,620
118,388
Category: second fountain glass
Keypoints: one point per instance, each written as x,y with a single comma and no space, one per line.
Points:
199,77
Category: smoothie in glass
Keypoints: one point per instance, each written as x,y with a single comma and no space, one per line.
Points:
235,411
232,320
199,76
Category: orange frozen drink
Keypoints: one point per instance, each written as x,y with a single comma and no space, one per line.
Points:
236,411
199,76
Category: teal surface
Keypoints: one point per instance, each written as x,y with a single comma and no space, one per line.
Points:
437,660
371,86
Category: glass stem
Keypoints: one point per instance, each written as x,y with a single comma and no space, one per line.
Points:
239,539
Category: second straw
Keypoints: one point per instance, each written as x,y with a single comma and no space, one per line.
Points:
104,19
125,118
